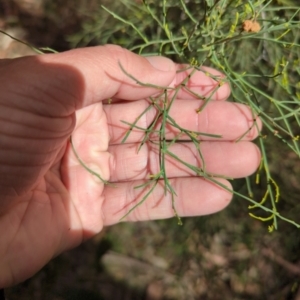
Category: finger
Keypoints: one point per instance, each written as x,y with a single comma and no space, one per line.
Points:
228,120
242,159
58,84
77,78
207,83
203,84
195,197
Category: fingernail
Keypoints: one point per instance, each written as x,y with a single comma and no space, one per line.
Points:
161,63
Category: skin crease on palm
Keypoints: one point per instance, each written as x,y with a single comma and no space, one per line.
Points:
49,202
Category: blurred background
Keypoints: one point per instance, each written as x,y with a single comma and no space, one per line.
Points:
224,256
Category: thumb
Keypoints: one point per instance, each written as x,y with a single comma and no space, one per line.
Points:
56,85
100,75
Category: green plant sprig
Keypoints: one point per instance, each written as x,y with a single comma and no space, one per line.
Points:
162,175
86,167
41,50
162,120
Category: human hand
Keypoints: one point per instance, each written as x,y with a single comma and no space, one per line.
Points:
49,203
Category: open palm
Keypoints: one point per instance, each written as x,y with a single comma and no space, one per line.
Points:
49,202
